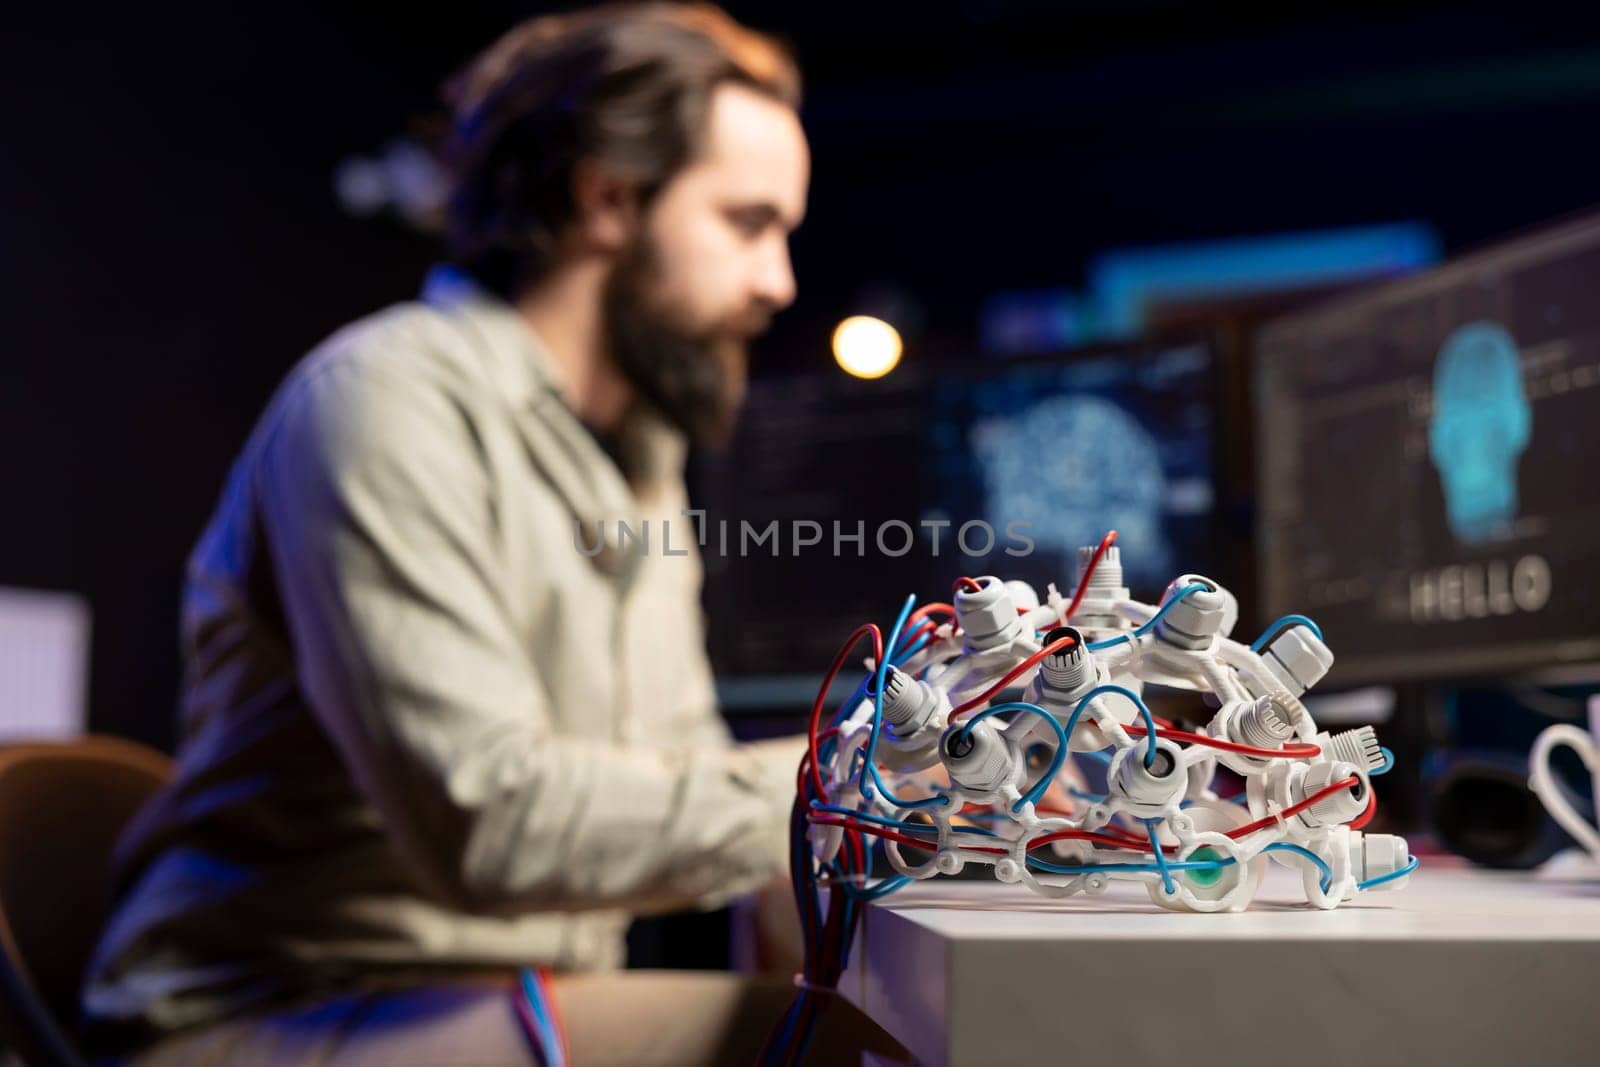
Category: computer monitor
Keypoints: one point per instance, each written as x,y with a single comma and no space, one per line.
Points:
1426,459
999,468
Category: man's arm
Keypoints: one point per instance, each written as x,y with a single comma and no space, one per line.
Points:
380,520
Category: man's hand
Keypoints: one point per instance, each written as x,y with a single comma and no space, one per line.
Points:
766,931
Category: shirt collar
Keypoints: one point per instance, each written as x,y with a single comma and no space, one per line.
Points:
524,363
532,378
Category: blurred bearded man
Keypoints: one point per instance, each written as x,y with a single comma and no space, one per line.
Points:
426,740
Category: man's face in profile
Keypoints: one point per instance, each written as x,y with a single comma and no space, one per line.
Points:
711,263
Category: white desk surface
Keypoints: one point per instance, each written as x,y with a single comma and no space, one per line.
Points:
1461,966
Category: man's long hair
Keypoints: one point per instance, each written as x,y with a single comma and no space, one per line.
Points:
626,86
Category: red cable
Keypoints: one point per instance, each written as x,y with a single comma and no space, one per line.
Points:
929,608
919,624
895,835
1094,561
1250,828
927,845
1020,669
827,683
1104,837
1111,835
805,761
970,585
1291,751
1295,809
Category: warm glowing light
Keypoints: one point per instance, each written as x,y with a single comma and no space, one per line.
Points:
866,347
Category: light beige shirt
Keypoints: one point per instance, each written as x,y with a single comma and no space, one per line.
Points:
420,726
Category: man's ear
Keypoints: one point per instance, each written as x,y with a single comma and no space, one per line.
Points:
607,206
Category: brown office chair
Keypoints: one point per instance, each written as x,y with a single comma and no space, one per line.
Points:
62,806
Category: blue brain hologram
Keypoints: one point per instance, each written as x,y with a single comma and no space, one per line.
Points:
1479,428
1074,466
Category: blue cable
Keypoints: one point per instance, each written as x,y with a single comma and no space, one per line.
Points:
1161,859
889,885
851,701
1192,587
790,1017
535,1002
804,888
893,644
549,1036
861,690
1149,720
1037,789
1327,872
916,647
871,766
800,858
805,1043
1391,876
854,698
1288,620
1388,762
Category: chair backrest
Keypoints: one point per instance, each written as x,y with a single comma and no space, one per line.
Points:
62,806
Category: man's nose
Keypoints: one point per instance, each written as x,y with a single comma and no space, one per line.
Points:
774,280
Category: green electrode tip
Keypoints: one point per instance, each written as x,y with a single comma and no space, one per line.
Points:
1205,876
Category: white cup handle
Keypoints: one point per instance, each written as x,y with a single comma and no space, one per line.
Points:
1548,790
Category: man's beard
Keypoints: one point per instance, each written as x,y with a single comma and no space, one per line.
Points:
695,378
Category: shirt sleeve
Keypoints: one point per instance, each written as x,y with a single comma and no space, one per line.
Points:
380,520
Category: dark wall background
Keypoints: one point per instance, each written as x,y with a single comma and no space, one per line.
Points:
171,241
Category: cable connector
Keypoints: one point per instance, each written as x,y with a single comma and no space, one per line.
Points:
1267,722
1377,858
1153,791
1340,807
1194,621
1104,589
978,757
1358,746
988,614
908,705
1298,659
1064,677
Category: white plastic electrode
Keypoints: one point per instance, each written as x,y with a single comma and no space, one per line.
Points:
977,757
908,705
1341,806
914,715
1375,855
988,615
1103,589
1358,746
1298,659
1023,595
1148,792
1195,620
1266,722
